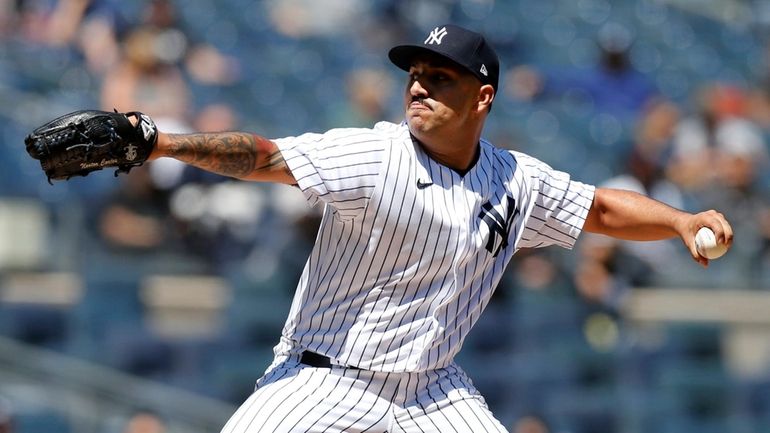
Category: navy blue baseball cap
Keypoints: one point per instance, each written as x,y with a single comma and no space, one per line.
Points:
464,47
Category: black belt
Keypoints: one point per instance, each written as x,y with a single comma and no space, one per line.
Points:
319,361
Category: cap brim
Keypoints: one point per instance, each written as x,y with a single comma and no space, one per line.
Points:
403,56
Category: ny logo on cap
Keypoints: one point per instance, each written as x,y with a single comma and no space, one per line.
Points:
436,36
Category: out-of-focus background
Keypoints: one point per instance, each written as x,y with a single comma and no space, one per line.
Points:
150,303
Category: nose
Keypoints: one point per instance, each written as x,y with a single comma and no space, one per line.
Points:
416,89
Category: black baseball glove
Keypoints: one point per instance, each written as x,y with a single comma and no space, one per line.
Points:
78,143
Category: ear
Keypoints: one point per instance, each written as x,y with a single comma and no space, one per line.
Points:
486,96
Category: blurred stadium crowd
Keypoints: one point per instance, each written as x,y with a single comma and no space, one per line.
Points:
185,277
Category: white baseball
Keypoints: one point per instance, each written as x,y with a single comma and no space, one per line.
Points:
707,246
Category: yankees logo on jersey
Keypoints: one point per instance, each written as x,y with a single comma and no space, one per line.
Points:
499,222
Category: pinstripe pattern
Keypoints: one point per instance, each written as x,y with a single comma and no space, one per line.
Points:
399,274
296,398
407,256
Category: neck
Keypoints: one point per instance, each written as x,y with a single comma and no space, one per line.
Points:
453,145
460,158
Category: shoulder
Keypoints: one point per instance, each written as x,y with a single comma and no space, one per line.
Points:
511,158
358,135
529,163
376,137
525,168
393,131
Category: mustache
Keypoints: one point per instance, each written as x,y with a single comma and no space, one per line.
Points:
420,100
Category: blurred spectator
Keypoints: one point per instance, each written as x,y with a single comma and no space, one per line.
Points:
91,27
65,20
530,424
221,217
383,27
742,153
145,421
150,76
135,217
652,141
305,18
174,44
645,165
148,80
720,114
28,20
739,161
538,271
624,264
719,158
368,91
216,117
613,86
605,273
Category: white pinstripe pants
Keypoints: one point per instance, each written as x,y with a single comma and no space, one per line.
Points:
296,398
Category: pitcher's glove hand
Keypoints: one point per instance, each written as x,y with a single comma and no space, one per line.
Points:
78,143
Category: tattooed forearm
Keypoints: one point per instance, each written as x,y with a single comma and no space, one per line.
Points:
234,154
230,154
273,161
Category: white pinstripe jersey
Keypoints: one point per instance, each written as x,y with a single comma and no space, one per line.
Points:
409,252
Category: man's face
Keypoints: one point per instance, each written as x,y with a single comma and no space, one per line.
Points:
439,96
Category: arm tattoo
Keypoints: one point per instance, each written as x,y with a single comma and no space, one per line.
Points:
234,154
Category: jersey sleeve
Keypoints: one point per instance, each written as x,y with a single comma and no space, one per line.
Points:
558,206
339,168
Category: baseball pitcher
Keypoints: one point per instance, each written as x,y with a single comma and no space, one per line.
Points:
420,219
